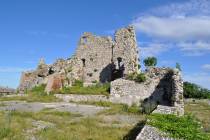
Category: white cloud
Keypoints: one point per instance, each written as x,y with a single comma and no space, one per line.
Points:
198,78
176,29
152,49
186,25
182,9
206,67
194,48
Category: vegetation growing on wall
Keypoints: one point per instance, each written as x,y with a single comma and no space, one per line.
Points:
137,77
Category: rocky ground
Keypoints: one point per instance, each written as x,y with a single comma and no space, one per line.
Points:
85,110
24,120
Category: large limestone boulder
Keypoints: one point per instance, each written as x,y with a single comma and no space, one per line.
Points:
55,82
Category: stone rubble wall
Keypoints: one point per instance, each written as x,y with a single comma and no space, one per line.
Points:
82,98
165,110
164,86
158,83
177,92
130,92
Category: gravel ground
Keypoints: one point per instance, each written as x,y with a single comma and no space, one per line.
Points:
86,110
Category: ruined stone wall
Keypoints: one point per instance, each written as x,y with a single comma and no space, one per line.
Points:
94,56
97,57
130,92
163,87
126,48
94,61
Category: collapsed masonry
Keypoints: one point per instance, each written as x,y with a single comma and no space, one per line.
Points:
103,59
97,59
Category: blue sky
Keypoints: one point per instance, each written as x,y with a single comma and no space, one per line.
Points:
172,30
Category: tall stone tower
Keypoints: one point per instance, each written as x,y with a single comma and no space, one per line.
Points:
126,49
100,59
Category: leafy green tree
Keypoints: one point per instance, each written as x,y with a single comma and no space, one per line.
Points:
192,90
150,61
178,66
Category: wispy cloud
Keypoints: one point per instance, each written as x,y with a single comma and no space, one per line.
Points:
206,67
152,49
182,23
174,28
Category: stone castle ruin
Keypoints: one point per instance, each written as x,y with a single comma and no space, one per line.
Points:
97,59
102,60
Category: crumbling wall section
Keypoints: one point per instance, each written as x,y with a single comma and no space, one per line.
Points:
164,87
126,48
94,55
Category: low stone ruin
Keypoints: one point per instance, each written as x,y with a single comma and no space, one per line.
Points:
164,86
6,91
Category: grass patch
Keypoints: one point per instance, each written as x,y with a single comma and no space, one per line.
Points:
115,108
201,110
98,89
185,127
67,127
32,97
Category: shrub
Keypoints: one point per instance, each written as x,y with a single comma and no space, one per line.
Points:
185,127
38,89
140,78
136,77
150,61
195,91
78,83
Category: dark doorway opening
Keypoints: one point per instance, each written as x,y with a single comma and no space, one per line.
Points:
83,62
118,69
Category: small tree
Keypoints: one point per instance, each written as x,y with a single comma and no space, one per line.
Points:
150,61
178,66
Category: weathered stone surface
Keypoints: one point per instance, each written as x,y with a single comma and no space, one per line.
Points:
152,133
164,86
82,98
130,92
165,110
55,82
126,48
